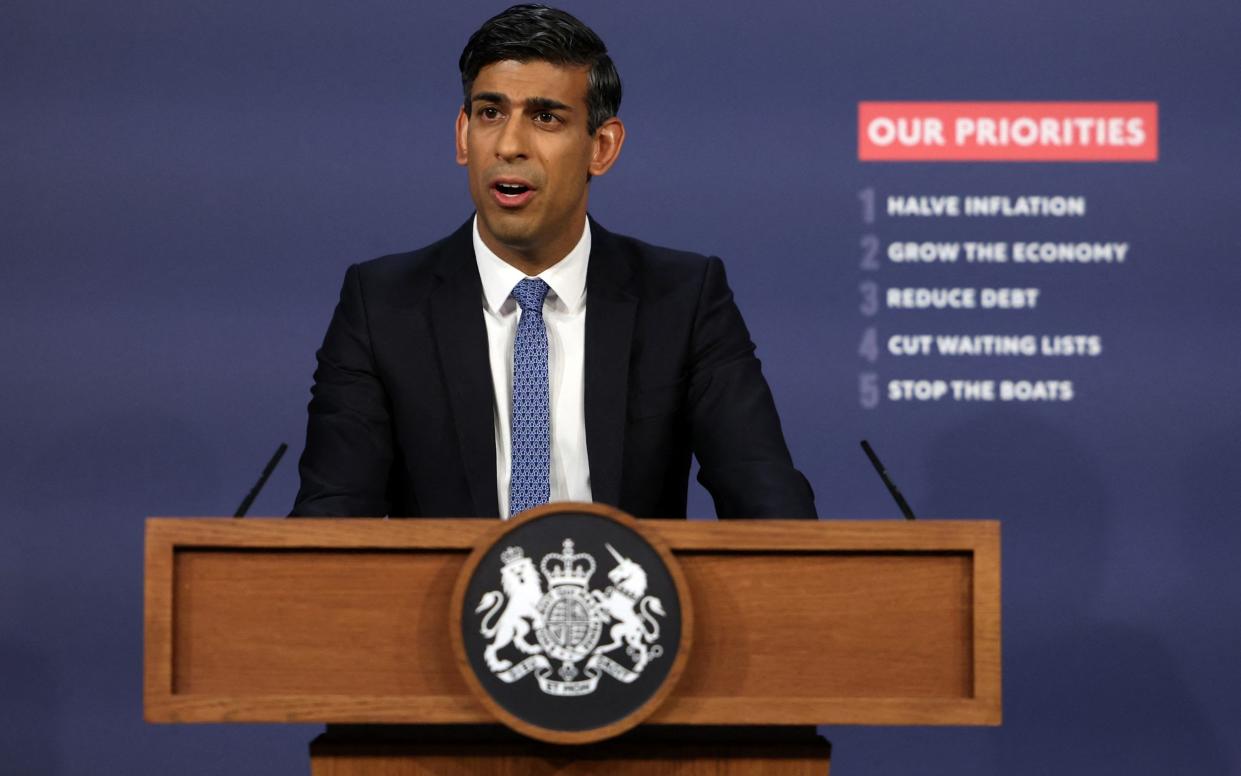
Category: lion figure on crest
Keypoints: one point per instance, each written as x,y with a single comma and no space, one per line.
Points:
523,589
634,627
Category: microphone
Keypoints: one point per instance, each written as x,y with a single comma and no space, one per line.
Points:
883,473
271,467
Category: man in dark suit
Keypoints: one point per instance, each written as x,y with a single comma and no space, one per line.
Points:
532,355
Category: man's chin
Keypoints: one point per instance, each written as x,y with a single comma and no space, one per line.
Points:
511,230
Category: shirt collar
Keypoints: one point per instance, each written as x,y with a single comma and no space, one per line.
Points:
566,278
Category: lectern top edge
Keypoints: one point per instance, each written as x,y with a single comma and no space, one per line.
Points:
691,535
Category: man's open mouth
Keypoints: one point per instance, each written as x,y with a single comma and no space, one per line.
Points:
512,194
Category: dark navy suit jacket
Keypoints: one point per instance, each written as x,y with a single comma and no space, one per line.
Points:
401,415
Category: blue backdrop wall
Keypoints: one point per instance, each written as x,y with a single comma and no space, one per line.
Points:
185,183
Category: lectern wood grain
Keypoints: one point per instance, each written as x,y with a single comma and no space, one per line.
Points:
298,608
797,623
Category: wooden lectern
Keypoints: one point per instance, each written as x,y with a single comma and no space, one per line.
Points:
795,624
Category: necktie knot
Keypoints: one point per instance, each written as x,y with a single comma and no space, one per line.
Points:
530,293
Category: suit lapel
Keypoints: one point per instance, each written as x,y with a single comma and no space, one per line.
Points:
461,337
611,307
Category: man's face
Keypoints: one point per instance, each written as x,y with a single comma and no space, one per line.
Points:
528,155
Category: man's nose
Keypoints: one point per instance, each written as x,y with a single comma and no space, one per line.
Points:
511,144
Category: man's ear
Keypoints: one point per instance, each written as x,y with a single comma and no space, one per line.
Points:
463,126
609,138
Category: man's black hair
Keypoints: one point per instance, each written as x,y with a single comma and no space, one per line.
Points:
537,33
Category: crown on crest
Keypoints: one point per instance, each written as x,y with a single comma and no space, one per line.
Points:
567,567
512,555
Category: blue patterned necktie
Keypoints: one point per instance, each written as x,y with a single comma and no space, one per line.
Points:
530,483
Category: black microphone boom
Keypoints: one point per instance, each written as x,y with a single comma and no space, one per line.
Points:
254,492
883,473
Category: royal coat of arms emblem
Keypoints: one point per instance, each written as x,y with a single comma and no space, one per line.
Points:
568,622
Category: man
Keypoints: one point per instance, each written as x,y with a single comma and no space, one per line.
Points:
533,355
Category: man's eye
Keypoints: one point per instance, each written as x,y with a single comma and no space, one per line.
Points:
544,117
488,112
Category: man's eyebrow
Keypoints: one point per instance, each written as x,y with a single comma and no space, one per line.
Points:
532,103
488,97
546,103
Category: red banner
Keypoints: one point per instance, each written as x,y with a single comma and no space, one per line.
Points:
1008,131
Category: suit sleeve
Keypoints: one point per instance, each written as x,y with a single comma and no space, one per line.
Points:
349,447
735,431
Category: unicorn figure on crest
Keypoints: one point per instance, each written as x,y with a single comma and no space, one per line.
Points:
626,602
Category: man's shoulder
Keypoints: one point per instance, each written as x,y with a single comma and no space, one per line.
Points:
643,251
655,268
418,270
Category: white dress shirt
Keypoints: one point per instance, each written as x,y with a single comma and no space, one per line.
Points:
564,315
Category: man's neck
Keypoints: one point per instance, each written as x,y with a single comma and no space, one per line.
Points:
531,261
